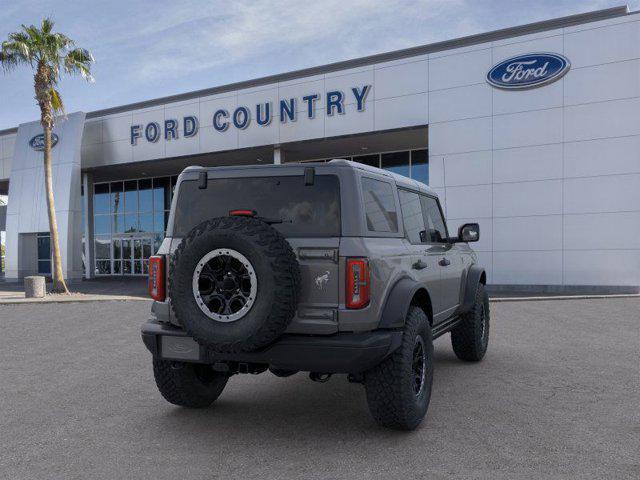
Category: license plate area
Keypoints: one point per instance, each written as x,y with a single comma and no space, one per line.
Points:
179,348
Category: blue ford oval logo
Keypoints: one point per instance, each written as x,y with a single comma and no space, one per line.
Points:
37,142
528,71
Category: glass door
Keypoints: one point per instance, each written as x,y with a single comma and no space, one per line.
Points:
131,255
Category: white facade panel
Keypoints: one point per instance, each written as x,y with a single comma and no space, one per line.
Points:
586,122
402,79
460,103
414,108
602,267
613,193
304,128
527,198
92,132
528,268
116,128
469,202
605,156
350,122
599,83
460,136
608,44
602,231
542,232
472,168
528,128
458,70
540,162
344,82
508,101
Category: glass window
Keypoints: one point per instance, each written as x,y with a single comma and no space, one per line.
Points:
117,249
305,210
436,226
412,216
161,187
101,198
371,160
117,267
102,225
397,162
116,197
145,195
131,196
44,267
420,166
118,223
44,246
103,249
103,267
131,223
146,222
158,222
380,207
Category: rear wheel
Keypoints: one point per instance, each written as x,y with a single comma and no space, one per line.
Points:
189,385
470,338
399,389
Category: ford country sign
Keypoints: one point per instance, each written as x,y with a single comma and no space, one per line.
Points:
528,71
37,142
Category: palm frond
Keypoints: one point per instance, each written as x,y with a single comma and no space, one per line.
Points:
79,60
56,101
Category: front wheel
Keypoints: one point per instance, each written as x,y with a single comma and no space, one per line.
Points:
190,385
470,338
399,388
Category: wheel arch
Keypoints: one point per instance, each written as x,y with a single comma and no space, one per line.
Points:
476,275
405,293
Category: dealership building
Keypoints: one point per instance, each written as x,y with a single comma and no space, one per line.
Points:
532,131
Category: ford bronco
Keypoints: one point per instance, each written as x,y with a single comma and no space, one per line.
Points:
325,268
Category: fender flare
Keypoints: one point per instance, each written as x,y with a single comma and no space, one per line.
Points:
397,303
474,277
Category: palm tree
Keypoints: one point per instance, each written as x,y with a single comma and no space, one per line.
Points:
47,53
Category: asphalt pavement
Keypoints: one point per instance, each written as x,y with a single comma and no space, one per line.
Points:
557,396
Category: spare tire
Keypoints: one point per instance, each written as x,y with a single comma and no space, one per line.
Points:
234,284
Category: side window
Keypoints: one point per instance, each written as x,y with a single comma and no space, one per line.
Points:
379,206
436,228
414,223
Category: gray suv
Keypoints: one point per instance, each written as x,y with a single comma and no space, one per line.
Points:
324,268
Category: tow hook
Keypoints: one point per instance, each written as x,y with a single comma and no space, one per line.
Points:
320,377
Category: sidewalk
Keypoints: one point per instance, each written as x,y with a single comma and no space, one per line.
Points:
95,290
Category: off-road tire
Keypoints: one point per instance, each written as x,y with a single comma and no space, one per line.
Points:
188,385
278,279
389,386
470,337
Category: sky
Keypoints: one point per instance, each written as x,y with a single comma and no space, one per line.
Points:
148,49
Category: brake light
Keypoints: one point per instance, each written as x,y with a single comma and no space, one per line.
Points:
242,213
358,286
156,278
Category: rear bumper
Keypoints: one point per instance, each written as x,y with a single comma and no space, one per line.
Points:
339,353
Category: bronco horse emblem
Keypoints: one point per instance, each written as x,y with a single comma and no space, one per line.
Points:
321,280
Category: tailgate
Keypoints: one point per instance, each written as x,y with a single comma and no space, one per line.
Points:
319,294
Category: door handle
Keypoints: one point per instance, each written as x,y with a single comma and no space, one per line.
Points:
419,265
444,262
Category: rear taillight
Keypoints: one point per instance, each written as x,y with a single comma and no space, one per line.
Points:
156,278
358,286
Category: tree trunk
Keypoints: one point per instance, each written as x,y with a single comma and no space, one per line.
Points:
59,285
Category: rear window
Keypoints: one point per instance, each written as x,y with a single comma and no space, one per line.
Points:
305,210
379,206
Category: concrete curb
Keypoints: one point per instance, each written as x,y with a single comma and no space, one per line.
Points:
72,299
562,297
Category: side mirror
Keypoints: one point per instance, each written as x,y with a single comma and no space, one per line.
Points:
469,232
